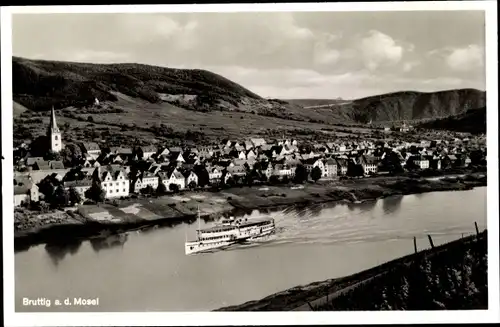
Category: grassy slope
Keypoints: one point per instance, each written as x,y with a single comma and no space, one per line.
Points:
39,84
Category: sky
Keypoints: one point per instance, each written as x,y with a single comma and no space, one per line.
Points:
288,55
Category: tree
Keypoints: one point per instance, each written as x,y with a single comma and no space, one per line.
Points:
53,156
392,163
192,185
274,179
61,197
47,187
148,190
355,170
410,164
203,176
174,188
161,189
301,174
74,196
316,173
96,193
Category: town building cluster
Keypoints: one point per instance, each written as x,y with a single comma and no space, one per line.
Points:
120,172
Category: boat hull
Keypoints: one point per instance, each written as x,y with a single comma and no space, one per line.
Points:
203,247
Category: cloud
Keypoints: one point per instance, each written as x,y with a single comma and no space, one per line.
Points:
408,66
465,59
380,49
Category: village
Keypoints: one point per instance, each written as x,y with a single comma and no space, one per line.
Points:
101,174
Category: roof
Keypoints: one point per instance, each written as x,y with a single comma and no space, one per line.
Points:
56,164
148,148
31,160
77,183
42,165
91,146
114,170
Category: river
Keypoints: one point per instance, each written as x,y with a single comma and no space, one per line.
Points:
148,271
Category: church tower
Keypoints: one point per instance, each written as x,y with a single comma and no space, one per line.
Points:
54,134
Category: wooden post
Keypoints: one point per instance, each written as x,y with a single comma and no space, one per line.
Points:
415,244
430,241
477,229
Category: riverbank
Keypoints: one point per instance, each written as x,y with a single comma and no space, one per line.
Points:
447,277
92,220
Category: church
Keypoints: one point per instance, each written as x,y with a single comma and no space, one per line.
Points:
54,134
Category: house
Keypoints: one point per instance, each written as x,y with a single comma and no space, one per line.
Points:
278,151
257,142
89,163
330,168
191,178
113,180
282,171
163,152
342,165
449,161
311,163
146,152
171,177
25,192
176,156
369,164
435,163
143,181
238,170
248,145
81,185
214,174
265,168
92,149
251,155
421,162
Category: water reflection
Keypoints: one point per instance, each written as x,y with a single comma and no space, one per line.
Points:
392,204
108,242
58,251
315,210
366,205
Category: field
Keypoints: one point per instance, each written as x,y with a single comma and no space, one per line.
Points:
132,120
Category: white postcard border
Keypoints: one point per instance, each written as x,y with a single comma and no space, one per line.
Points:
276,318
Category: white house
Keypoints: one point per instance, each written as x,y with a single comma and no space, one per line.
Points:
143,181
113,180
25,193
369,164
172,177
214,174
330,168
190,177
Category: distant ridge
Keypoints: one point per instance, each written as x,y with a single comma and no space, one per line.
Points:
40,84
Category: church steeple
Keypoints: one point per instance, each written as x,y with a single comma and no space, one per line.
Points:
54,134
53,124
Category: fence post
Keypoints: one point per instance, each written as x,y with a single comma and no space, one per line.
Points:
415,244
477,229
430,241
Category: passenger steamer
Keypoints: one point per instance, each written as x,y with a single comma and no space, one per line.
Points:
229,232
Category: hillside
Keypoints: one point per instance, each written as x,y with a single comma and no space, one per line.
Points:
408,105
471,121
40,84
141,104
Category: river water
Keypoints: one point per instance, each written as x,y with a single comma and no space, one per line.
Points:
148,271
